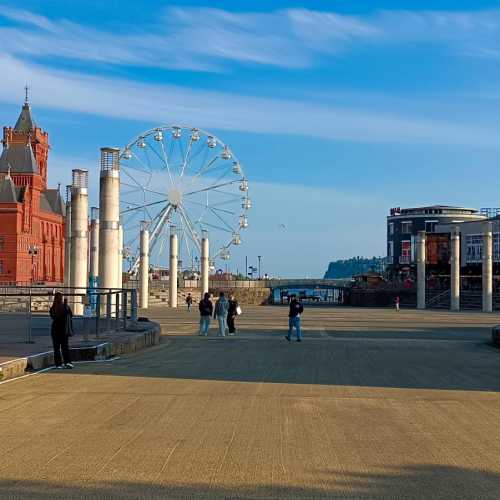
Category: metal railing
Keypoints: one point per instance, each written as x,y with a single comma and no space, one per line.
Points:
23,310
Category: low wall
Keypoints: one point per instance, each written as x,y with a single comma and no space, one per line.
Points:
381,298
248,296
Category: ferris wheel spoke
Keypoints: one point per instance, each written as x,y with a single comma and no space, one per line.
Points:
210,188
147,167
166,162
188,152
212,206
200,172
220,218
213,226
141,207
190,227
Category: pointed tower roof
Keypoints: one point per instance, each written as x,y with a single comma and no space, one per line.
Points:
25,122
8,192
19,158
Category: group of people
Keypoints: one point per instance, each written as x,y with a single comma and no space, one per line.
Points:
225,312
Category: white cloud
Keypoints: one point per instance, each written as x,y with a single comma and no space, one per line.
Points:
119,98
206,39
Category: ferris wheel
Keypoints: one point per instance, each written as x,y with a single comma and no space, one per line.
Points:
182,179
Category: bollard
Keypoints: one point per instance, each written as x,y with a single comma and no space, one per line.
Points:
117,311
97,315
108,311
133,305
29,339
124,309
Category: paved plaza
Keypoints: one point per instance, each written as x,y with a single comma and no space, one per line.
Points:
372,405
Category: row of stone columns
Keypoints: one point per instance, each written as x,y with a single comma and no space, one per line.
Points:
487,269
99,259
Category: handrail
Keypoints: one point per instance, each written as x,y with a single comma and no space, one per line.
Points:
437,297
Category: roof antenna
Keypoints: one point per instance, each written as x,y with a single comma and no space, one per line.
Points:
26,94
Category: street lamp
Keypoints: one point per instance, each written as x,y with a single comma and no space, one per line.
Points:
33,250
259,257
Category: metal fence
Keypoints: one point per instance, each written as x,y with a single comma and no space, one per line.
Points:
24,311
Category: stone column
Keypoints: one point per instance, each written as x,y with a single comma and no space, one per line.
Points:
488,268
109,216
67,239
79,237
205,264
94,247
455,269
144,267
172,270
421,259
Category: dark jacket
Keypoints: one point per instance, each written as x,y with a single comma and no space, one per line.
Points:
62,322
233,304
206,307
296,308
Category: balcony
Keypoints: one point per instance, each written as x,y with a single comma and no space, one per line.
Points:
404,259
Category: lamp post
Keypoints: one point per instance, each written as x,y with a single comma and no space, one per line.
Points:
260,258
33,250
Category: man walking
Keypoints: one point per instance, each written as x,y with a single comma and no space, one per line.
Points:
296,309
221,309
232,313
206,309
189,301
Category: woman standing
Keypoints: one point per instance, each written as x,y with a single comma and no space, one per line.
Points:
61,315
232,312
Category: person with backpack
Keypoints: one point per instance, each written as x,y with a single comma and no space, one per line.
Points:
61,330
233,311
206,309
220,313
295,311
189,301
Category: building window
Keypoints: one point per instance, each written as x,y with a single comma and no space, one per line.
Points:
474,248
496,247
405,252
1,267
406,227
390,249
2,243
430,226
391,227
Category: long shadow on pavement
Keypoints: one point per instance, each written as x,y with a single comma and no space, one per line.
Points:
421,482
413,361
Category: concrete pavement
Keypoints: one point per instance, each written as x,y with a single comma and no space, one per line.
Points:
373,405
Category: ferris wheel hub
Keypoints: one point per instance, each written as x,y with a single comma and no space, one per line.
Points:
175,197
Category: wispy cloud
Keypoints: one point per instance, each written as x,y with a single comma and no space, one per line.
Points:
207,39
159,103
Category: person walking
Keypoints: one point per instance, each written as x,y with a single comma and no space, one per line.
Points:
206,309
397,302
189,301
220,313
232,312
61,330
296,310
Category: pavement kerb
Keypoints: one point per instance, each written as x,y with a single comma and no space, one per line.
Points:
125,343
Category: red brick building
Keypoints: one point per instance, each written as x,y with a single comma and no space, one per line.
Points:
31,215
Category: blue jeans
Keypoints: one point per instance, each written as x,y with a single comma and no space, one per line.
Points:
204,325
222,325
294,322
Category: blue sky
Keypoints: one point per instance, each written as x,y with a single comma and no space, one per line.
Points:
338,110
